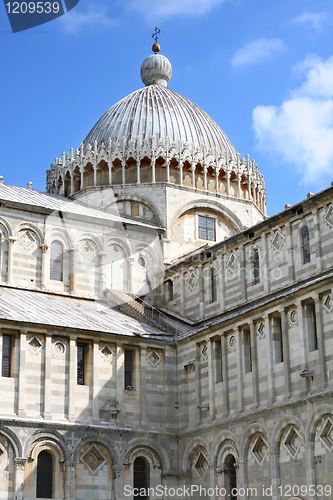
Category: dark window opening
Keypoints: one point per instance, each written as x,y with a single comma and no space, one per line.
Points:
310,316
306,245
206,228
299,211
44,475
218,361
141,477
213,297
81,355
128,369
277,339
247,351
6,355
256,267
56,262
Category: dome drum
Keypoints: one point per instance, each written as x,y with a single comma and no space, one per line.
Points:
218,174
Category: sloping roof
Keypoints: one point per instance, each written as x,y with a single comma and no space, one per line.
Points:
58,203
159,112
40,308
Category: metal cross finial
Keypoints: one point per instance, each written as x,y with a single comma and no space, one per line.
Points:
155,34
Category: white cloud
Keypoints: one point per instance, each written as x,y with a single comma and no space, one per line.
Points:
74,21
319,81
300,131
169,8
316,19
256,51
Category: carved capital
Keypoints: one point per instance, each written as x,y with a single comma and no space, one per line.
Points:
117,471
220,471
20,462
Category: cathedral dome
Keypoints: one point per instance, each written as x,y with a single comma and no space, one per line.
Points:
158,112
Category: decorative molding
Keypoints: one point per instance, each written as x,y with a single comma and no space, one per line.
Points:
292,317
231,342
329,216
201,464
328,303
192,279
93,459
59,348
204,351
261,330
153,357
293,441
87,249
35,344
259,450
277,241
27,239
326,433
232,262
106,352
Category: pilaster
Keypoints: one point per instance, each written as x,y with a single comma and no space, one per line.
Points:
211,379
143,390
275,473
102,285
21,375
118,482
310,468
240,368
321,342
95,380
286,354
225,382
70,470
221,483
242,475
19,477
72,379
47,414
44,249
255,378
119,378
270,360
10,245
72,274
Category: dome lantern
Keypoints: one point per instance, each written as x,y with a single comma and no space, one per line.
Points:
156,70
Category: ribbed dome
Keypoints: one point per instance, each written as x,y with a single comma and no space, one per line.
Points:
159,112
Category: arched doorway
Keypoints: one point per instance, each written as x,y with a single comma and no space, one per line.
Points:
230,477
141,477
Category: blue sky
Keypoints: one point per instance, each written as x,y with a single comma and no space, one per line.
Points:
262,69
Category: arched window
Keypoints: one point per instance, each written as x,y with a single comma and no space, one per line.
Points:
56,262
306,245
44,475
141,477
